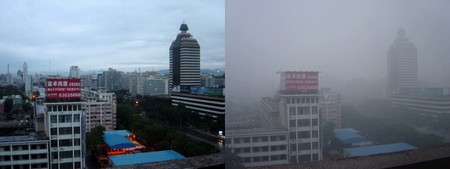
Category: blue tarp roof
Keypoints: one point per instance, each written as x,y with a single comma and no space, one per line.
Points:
117,139
148,157
119,132
378,149
348,136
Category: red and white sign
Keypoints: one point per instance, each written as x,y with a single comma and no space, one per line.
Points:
303,82
63,88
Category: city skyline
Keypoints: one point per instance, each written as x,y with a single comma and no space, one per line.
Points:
52,36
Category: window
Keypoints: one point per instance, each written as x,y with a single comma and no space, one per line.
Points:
255,139
314,122
53,119
315,134
54,143
314,110
247,140
292,135
25,147
76,118
292,123
273,148
303,123
305,146
65,118
315,157
291,110
237,150
282,138
65,130
265,158
76,130
304,158
273,138
303,134
293,159
265,148
55,155
293,147
65,142
315,145
7,148
65,154
264,139
76,142
77,153
247,150
53,131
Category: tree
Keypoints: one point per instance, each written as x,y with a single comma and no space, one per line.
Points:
328,132
95,137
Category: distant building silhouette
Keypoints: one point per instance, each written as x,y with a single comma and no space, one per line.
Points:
402,64
184,62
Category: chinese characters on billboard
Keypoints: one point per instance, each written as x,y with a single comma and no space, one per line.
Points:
300,82
63,88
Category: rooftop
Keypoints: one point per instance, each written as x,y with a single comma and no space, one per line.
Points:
378,149
116,139
6,139
142,158
349,136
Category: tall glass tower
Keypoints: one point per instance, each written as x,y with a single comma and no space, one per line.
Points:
402,64
184,62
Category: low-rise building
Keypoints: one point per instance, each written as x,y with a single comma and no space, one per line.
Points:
28,151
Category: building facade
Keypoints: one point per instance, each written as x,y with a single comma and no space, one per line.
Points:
65,128
100,109
24,152
213,107
433,101
184,61
402,66
330,107
74,72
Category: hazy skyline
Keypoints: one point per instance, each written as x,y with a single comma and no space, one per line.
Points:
96,35
344,40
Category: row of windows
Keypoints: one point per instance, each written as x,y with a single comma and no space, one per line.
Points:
258,139
304,158
24,147
64,107
304,134
302,100
303,122
304,146
23,157
67,165
66,154
66,142
26,166
265,158
65,130
67,118
301,110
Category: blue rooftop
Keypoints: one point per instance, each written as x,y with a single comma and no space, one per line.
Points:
142,158
117,139
119,132
348,136
378,149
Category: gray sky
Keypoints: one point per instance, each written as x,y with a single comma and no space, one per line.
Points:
342,39
96,35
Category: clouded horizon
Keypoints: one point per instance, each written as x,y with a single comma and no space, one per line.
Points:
97,35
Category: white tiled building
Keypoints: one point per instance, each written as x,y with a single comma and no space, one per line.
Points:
24,152
64,127
100,107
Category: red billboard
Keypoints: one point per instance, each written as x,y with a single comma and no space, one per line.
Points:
63,88
300,81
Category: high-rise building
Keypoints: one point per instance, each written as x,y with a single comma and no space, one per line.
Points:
100,108
402,64
74,72
289,130
184,61
64,126
27,79
330,107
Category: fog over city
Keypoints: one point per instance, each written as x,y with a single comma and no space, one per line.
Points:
96,35
347,41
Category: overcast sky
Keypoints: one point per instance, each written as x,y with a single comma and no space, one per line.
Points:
343,40
96,35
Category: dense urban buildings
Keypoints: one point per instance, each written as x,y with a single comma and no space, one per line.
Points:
433,101
402,64
74,72
184,70
29,151
100,108
330,107
290,127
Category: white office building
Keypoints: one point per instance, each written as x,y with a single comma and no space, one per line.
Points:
100,107
65,128
24,152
